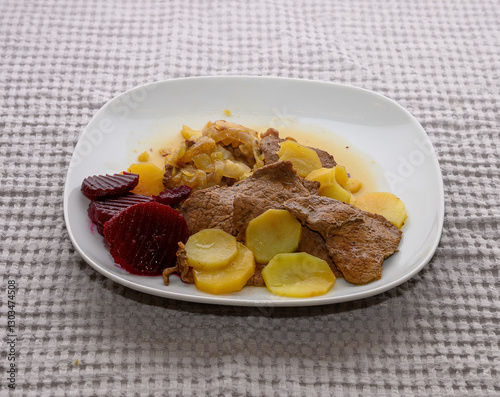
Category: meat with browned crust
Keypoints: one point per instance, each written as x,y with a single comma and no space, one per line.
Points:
357,241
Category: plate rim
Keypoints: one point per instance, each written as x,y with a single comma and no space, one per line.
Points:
279,302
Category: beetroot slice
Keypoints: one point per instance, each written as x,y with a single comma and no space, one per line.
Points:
173,196
101,186
101,211
143,238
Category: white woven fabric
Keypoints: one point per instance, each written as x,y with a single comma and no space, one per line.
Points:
437,334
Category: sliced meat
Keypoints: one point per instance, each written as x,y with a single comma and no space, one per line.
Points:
312,243
270,144
312,186
231,208
210,208
327,160
357,241
257,280
268,187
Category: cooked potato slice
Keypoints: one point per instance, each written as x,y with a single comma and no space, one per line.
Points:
298,275
150,179
210,249
331,180
386,204
273,232
341,176
325,176
353,185
336,192
304,159
230,278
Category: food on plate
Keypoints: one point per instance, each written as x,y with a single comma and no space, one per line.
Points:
364,240
332,182
270,144
304,159
143,238
298,275
101,211
386,204
236,208
143,157
150,179
273,232
173,196
357,241
210,249
102,186
353,185
222,153
230,278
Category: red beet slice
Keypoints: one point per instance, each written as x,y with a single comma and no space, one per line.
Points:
101,211
100,186
173,196
143,238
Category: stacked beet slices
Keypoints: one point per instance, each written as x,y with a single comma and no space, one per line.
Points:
142,231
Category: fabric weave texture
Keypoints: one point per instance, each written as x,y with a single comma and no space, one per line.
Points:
80,334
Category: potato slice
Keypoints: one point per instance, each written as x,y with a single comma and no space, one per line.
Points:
210,249
325,176
341,175
386,204
230,278
331,181
298,275
150,179
353,185
336,192
273,232
304,159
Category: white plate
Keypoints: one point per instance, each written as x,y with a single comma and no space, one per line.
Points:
375,125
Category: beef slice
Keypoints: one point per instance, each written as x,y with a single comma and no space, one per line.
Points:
257,280
270,144
210,208
267,188
357,241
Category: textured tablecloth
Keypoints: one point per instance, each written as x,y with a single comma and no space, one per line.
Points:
77,333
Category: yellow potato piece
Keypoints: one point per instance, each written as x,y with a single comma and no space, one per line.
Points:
331,181
304,159
336,192
325,176
230,278
150,179
189,133
353,185
341,176
273,232
210,249
298,275
386,204
143,157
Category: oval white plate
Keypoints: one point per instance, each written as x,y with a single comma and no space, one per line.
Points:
374,124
